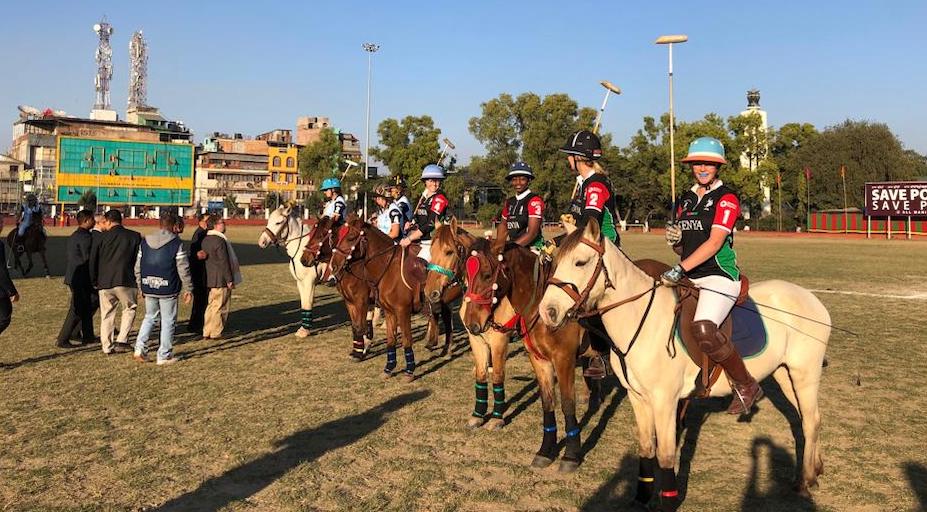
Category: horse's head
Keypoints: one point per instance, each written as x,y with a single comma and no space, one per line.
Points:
319,245
278,227
487,279
578,281
349,244
448,250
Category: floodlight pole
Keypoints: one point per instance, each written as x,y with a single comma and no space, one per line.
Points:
370,48
669,40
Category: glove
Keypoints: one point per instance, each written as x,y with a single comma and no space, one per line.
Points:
673,233
672,276
550,246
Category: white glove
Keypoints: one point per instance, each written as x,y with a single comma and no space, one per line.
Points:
673,234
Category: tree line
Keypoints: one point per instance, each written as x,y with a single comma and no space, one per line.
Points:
531,128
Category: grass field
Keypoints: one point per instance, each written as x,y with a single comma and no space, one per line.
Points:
265,421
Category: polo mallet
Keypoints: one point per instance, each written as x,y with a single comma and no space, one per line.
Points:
609,88
351,164
447,145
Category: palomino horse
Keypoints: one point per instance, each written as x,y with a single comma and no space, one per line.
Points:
285,229
383,271
317,254
638,314
32,241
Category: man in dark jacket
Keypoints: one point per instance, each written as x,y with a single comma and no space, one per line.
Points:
77,278
161,272
221,268
198,274
112,272
8,293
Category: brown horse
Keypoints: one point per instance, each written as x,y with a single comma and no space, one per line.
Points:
318,253
504,287
32,241
381,267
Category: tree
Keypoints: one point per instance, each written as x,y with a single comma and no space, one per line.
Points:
407,146
88,200
272,200
532,129
870,152
322,158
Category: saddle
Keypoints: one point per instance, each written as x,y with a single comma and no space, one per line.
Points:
687,300
414,273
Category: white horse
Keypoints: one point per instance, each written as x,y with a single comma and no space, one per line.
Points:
285,229
657,380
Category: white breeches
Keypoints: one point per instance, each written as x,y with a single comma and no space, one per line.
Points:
715,306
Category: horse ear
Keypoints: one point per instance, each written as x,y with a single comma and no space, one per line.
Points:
592,230
502,235
569,227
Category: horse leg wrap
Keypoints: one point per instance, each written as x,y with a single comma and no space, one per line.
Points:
305,318
390,360
482,400
645,480
669,494
573,449
549,441
498,400
357,350
410,361
712,341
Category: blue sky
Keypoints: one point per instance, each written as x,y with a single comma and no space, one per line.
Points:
254,66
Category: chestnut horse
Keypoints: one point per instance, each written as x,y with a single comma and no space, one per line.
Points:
381,267
639,315
355,291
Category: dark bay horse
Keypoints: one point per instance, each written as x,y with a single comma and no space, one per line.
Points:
355,291
32,241
381,267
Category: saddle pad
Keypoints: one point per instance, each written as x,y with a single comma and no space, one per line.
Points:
748,332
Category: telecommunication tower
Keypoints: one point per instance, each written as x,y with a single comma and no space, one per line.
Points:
104,57
138,73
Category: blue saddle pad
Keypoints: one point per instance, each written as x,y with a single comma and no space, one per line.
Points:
748,332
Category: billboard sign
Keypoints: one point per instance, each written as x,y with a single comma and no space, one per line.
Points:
124,172
896,199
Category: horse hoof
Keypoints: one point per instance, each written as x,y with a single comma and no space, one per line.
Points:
386,375
568,466
302,333
357,357
541,461
475,422
494,424
409,377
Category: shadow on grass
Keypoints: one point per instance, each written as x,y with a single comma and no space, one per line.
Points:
781,495
305,446
59,353
596,433
607,497
917,479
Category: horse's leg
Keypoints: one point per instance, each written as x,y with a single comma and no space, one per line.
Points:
647,462
306,287
448,319
390,344
498,351
544,372
806,383
565,366
479,349
405,325
431,334
28,267
356,312
664,416
45,264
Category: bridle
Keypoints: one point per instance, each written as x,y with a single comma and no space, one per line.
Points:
318,244
453,276
486,298
281,240
361,243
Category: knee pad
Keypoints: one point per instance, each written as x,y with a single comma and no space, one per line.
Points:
711,340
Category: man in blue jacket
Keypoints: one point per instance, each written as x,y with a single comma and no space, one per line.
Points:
162,271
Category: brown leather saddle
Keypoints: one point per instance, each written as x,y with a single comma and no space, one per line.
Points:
414,273
687,300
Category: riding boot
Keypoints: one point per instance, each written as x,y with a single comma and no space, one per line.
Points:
746,389
599,342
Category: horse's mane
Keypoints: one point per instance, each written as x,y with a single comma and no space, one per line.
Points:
570,242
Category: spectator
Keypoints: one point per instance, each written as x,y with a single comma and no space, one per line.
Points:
161,272
99,227
77,278
112,272
198,273
222,275
8,293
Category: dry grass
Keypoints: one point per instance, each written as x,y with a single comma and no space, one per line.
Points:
265,421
